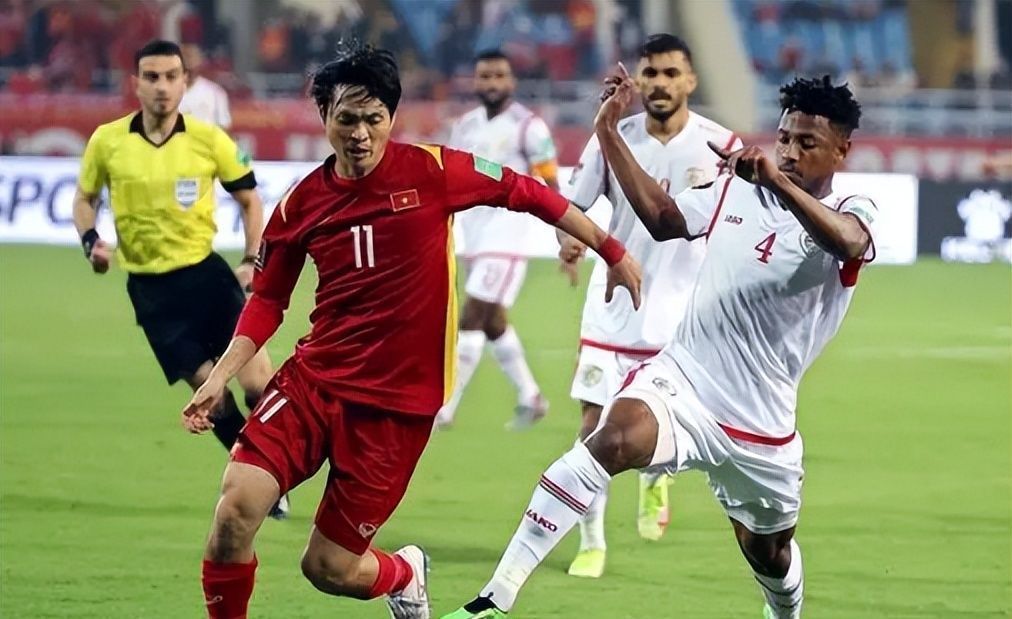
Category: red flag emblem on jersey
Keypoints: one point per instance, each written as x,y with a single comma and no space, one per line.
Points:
403,200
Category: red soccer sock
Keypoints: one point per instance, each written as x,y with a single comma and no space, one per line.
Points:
393,574
228,588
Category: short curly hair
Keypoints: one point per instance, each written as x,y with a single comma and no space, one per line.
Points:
819,97
372,69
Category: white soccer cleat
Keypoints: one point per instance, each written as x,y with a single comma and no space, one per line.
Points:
413,601
526,415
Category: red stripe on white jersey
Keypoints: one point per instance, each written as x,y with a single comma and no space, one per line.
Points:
759,439
720,205
622,350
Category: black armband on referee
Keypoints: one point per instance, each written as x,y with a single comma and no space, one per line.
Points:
88,240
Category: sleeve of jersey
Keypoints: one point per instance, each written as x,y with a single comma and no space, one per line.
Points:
92,176
698,205
867,214
539,146
233,163
473,181
586,184
277,270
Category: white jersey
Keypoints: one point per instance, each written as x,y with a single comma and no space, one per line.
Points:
669,268
208,102
516,138
767,301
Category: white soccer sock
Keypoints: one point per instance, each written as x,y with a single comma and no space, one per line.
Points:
592,524
509,352
562,496
784,595
469,348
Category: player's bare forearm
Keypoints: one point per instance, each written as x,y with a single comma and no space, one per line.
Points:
652,204
840,234
251,211
85,210
240,350
577,225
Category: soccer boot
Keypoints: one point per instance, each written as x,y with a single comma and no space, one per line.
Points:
588,564
769,613
413,601
479,608
526,415
280,509
654,513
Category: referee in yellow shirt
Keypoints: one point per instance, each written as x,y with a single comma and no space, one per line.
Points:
160,167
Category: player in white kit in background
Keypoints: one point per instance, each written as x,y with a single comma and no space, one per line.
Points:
506,132
204,99
782,261
669,143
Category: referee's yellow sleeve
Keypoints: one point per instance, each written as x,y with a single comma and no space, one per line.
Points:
93,172
233,163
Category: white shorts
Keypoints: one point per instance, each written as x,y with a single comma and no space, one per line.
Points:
496,278
759,484
599,373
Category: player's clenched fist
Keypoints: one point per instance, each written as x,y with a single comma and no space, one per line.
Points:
206,399
626,273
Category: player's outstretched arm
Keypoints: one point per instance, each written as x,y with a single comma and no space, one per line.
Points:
205,400
623,270
841,234
652,204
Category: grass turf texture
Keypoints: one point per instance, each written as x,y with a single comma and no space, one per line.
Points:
106,501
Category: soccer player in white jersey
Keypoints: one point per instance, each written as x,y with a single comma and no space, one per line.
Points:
782,261
504,131
669,142
204,99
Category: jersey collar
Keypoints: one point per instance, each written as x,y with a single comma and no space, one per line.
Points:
137,126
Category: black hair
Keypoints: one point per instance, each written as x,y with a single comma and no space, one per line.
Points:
158,47
664,43
370,68
491,54
819,97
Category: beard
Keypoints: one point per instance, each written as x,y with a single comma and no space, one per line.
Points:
662,116
493,99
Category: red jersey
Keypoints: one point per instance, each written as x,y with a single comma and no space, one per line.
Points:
385,322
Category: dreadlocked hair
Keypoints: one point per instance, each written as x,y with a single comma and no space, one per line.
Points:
819,97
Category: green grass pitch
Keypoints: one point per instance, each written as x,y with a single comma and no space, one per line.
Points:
106,501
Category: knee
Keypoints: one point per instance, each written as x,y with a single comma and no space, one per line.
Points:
767,556
495,325
611,449
627,439
328,575
235,526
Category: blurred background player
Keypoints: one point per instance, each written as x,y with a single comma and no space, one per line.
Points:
160,168
203,98
363,388
669,142
504,131
783,258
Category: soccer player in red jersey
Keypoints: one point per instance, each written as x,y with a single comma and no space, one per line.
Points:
363,388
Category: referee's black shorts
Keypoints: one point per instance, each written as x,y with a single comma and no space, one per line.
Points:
189,314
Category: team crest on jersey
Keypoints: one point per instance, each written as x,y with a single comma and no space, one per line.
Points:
808,246
695,177
187,191
591,375
664,386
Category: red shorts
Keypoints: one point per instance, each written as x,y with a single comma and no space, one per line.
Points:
372,453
